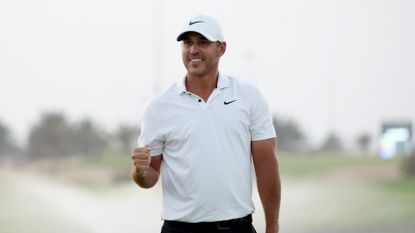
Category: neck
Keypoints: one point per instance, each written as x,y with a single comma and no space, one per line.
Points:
202,86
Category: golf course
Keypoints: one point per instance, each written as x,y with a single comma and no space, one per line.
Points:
321,193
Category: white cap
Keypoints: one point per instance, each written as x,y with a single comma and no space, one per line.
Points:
204,25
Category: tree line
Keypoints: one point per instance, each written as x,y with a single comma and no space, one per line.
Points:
54,136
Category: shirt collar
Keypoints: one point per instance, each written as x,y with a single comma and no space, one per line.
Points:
223,82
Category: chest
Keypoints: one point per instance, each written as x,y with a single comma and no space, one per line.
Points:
223,115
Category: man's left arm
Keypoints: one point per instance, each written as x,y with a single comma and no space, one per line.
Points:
268,181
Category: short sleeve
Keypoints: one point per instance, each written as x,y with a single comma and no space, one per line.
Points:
261,118
150,133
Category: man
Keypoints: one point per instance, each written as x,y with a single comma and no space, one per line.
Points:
202,135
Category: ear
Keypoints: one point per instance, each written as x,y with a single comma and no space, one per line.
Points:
222,48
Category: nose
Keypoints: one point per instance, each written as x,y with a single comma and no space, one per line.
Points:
193,49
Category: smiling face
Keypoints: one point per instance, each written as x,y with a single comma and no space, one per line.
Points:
201,56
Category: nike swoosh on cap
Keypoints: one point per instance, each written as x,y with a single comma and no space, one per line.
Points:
199,21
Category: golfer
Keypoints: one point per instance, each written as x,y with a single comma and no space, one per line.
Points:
204,135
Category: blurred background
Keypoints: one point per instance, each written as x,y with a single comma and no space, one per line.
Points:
339,77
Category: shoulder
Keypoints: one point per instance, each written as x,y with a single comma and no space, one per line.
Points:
161,99
243,86
164,95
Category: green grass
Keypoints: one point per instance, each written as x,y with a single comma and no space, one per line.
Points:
403,188
304,165
397,198
109,159
92,172
351,202
349,192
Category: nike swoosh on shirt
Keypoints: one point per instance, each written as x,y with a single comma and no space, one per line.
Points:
191,23
226,103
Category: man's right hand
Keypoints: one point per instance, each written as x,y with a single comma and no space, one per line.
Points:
141,159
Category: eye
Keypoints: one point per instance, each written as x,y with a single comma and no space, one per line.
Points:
204,42
187,43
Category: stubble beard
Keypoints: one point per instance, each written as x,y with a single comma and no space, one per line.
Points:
200,70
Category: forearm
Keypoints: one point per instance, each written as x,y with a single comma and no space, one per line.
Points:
269,188
145,178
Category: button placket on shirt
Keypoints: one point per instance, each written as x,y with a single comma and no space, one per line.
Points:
205,105
212,97
197,99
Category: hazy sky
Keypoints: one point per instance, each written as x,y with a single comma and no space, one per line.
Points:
343,65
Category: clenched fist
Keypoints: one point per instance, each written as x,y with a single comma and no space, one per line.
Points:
141,159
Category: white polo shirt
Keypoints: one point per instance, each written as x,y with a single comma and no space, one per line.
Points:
206,147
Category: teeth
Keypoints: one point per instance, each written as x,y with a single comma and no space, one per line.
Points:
196,60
